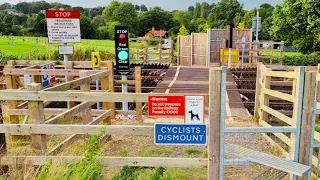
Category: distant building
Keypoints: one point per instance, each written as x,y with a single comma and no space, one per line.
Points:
156,33
12,11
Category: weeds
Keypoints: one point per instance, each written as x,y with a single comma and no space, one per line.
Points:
192,151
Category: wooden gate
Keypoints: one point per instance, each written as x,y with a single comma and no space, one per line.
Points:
184,50
199,49
217,41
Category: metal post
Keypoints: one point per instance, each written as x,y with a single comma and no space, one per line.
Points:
242,56
257,30
124,90
65,59
222,120
97,88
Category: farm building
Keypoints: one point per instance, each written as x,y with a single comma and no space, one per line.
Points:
157,33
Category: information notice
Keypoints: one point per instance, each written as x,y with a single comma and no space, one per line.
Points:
63,26
166,105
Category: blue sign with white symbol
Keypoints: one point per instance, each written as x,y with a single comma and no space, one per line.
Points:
45,78
180,134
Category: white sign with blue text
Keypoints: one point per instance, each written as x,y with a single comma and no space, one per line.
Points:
45,78
180,134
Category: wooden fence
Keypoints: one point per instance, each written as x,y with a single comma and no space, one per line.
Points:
152,53
305,83
39,127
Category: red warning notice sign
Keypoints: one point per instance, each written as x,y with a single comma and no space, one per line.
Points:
166,105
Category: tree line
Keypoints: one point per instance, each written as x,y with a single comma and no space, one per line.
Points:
297,23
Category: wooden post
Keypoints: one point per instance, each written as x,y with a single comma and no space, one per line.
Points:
70,78
3,147
36,110
111,105
307,111
178,49
192,41
11,83
160,52
172,51
214,123
87,113
145,51
281,52
265,98
105,87
238,51
255,52
258,91
138,90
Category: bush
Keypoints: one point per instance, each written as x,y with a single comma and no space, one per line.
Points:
102,32
299,60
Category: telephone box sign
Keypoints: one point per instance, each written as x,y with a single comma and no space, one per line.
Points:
166,106
63,26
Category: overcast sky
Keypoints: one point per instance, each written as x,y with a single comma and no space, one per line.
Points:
165,4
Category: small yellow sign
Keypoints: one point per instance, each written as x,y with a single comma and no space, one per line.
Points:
224,55
96,60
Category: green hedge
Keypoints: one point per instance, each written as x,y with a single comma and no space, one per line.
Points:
299,60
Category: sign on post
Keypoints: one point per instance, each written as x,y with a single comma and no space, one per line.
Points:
66,49
166,105
52,77
63,26
122,49
256,24
96,60
45,78
194,109
180,134
26,80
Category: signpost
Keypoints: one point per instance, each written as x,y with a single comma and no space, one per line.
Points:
256,25
26,80
66,49
52,77
64,27
122,57
243,45
96,61
166,105
194,109
45,78
180,134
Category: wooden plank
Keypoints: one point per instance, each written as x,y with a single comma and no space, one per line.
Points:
57,111
70,113
79,96
71,139
278,115
75,83
71,78
53,129
11,84
258,91
127,82
108,161
111,104
56,72
281,136
306,122
278,94
39,141
138,90
214,123
282,74
105,87
86,112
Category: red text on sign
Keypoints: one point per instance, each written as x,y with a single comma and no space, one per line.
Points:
166,105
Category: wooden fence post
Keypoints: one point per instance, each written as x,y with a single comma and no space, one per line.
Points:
111,105
281,52
11,83
105,87
145,48
160,52
138,90
306,121
3,147
258,91
87,113
36,113
172,51
70,78
214,123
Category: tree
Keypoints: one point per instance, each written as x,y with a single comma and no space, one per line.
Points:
143,8
102,33
191,8
39,26
297,23
224,13
137,7
88,30
205,10
197,11
5,6
183,17
157,18
95,11
108,12
247,18
183,31
98,21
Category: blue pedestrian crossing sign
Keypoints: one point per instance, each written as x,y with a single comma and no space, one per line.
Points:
180,134
45,78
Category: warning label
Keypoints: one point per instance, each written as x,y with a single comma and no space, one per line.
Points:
166,105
